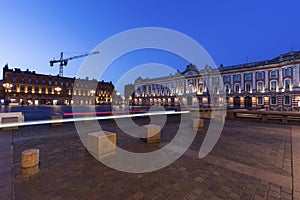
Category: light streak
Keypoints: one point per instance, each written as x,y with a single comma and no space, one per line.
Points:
40,122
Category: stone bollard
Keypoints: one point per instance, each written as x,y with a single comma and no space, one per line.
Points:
102,143
198,123
30,162
152,133
56,117
7,120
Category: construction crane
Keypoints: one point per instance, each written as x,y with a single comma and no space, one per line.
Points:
64,61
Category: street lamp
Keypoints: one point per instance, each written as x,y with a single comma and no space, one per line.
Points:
7,86
57,89
92,92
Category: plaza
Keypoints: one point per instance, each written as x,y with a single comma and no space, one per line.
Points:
251,160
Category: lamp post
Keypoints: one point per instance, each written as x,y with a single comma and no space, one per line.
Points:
7,86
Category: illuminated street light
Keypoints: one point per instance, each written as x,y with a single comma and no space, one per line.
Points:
7,86
57,89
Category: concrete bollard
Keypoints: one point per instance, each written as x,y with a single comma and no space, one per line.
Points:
198,123
56,117
102,143
152,133
30,162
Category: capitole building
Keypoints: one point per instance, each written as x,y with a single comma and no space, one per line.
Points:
270,84
27,87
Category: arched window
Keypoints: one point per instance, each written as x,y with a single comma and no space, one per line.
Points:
237,88
273,85
287,84
260,86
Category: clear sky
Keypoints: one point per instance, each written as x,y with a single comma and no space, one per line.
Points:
232,32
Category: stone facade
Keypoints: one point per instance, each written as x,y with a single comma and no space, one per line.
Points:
270,84
28,87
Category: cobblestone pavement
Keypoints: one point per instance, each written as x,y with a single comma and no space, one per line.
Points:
250,161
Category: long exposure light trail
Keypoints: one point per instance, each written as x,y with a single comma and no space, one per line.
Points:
40,122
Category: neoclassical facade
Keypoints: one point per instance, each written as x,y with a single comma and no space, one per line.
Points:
28,87
270,84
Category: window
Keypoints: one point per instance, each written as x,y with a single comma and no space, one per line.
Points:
247,76
29,80
227,88
215,79
29,88
273,85
43,90
49,90
248,87
215,88
43,82
287,72
287,84
55,83
22,80
14,79
226,78
67,84
36,89
61,83
237,77
50,82
22,88
36,81
237,88
260,75
260,101
273,100
287,100
200,88
273,74
14,88
260,86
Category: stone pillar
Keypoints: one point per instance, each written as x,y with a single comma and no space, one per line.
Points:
280,79
266,80
253,82
242,83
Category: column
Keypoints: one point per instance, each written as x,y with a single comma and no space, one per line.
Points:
266,80
280,79
296,76
242,83
253,82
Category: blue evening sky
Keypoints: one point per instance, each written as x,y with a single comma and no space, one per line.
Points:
232,32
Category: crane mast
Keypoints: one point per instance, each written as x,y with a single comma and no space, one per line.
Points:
64,61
